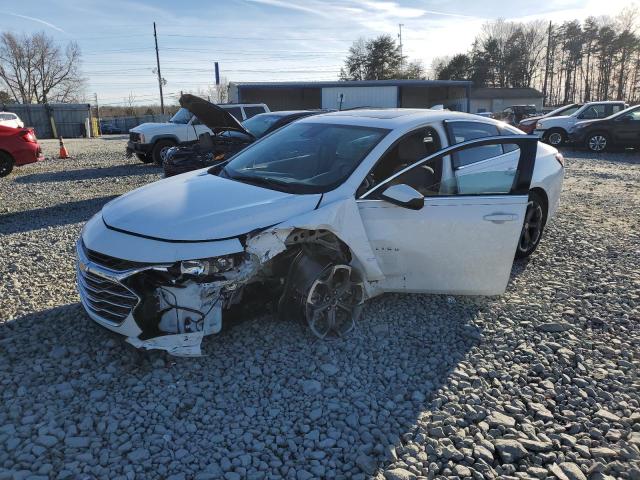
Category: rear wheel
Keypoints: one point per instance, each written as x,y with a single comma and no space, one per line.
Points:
597,142
160,148
144,157
6,164
555,137
534,222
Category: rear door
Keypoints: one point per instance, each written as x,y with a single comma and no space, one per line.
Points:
463,240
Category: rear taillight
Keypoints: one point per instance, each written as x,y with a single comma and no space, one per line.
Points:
29,136
560,159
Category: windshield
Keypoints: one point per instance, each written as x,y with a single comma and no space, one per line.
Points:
305,157
182,116
566,110
259,124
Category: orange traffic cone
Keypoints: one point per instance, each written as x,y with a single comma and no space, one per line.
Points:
63,150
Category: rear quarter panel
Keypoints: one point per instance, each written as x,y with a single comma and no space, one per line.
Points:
548,175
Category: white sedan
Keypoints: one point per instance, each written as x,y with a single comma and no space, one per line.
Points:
323,214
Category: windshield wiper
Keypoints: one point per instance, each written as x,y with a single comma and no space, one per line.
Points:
262,181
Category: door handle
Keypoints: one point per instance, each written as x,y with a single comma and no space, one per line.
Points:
500,217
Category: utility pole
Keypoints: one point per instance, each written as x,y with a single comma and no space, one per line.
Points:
95,96
546,67
155,37
400,25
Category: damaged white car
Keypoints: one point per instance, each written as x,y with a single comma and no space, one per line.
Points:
324,213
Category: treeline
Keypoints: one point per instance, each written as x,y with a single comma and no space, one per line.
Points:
598,59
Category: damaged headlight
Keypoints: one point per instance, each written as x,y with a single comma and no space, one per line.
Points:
207,266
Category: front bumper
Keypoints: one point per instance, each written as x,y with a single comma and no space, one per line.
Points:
577,137
539,132
137,147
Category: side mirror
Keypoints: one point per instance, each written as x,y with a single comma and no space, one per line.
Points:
403,195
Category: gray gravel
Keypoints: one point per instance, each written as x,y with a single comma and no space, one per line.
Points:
539,383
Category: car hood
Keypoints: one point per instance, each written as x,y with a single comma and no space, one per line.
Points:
587,123
529,120
154,126
214,117
198,206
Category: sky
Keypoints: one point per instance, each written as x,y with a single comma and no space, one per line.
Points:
258,40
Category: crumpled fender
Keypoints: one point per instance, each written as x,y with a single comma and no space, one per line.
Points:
342,218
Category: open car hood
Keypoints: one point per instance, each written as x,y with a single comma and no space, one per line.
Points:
214,117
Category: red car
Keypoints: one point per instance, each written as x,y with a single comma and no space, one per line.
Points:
18,146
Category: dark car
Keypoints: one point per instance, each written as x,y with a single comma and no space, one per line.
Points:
109,128
619,130
18,146
229,135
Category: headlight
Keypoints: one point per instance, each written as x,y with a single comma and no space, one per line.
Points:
142,138
539,125
207,266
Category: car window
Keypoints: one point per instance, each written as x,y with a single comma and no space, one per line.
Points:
236,112
633,116
568,111
594,111
409,149
196,121
253,111
182,117
617,108
430,178
259,124
464,131
305,157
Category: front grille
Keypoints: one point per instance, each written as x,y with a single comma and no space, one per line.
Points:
112,263
134,137
106,298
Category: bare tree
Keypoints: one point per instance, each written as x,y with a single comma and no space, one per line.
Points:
35,69
130,101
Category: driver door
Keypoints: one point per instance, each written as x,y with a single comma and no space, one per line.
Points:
459,242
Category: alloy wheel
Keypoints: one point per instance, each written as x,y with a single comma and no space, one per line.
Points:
532,228
334,302
597,143
555,138
5,166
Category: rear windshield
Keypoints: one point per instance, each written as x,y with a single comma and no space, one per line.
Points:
259,124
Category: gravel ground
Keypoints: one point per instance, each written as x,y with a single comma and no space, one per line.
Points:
541,382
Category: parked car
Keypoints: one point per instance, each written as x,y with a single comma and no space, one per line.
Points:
555,130
225,143
528,125
323,214
9,119
150,141
109,129
18,146
619,130
515,113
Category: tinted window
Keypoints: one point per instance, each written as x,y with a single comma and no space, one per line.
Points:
253,111
465,131
259,124
594,111
235,111
305,157
617,108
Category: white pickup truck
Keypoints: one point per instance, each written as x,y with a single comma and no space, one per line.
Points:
555,130
150,141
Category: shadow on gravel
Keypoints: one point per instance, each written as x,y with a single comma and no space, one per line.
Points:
62,214
125,170
265,387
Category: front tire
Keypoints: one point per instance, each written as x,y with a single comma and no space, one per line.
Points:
535,219
328,294
160,148
597,142
555,137
6,164
144,158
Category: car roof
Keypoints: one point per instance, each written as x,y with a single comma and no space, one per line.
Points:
392,118
605,101
286,113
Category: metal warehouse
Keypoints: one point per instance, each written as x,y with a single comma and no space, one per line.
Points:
453,94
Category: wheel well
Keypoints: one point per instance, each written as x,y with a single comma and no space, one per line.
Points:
545,200
556,129
4,152
172,139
